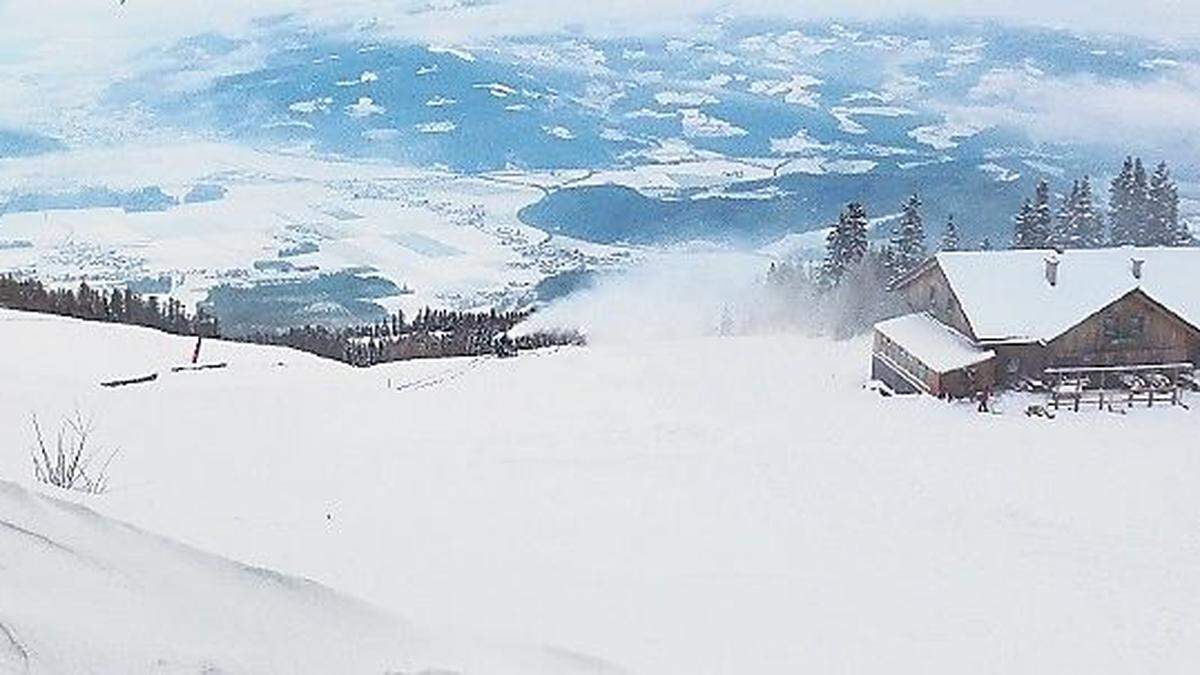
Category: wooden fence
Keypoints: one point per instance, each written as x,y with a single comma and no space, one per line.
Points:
1112,387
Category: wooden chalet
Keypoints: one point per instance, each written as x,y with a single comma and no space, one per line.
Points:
1092,318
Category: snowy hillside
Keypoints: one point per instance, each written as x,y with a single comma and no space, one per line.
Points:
684,505
87,594
83,593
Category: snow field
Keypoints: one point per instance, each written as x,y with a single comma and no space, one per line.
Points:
688,505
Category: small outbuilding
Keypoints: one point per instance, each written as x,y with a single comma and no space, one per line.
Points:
916,353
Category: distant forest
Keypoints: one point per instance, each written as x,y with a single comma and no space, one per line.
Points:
430,334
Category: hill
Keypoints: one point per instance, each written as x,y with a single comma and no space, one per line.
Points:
87,594
683,505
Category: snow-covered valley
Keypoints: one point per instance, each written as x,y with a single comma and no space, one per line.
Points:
684,505
440,239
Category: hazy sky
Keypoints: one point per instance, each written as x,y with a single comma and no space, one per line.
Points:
1173,20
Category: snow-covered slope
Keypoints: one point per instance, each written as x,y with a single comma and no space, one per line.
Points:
83,593
692,505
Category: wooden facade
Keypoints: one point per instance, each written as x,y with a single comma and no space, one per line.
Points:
928,290
1133,330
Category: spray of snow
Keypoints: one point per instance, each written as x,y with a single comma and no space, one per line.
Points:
671,296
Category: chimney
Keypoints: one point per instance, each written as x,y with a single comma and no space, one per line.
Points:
1052,269
1136,265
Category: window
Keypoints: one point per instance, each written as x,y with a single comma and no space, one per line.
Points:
1119,330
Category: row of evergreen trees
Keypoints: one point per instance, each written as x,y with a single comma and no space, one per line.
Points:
1143,210
115,306
848,242
430,333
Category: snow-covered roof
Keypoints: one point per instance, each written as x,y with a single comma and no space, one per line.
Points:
933,343
1006,296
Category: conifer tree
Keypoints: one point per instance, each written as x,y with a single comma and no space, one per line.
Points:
950,240
1062,234
908,239
1043,216
1122,208
1080,224
1143,235
1023,225
1164,225
846,245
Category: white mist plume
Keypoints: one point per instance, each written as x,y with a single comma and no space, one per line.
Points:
669,296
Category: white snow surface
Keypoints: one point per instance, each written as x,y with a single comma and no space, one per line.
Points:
1005,294
88,594
693,505
933,343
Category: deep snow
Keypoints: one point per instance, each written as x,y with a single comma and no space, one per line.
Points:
86,594
687,505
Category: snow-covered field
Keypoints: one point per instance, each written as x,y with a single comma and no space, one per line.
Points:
686,505
453,241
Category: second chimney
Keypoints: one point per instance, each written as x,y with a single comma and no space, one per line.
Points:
1135,266
1052,270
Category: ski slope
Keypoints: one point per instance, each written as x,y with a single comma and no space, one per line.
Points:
686,505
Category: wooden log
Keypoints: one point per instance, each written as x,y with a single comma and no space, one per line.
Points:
203,366
131,381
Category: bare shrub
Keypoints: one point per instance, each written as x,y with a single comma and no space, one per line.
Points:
72,463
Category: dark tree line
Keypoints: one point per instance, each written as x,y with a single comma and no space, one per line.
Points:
432,333
115,306
1143,210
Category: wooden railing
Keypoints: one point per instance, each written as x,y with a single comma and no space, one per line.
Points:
1142,384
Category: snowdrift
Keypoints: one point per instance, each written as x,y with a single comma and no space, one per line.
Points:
83,593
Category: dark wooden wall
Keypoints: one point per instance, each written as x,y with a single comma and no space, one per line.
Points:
1133,330
930,292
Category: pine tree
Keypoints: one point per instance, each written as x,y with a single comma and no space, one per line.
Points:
1143,234
846,245
986,244
1062,233
908,239
1023,225
950,240
1043,216
1122,208
1165,228
1086,223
